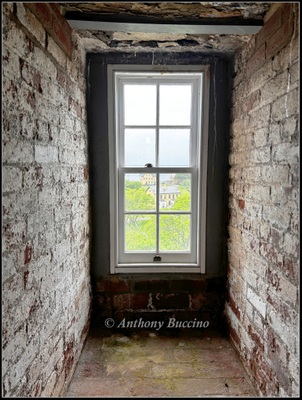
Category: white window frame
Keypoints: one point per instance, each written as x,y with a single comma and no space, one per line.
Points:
179,262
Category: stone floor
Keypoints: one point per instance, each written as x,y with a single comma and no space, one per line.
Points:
152,364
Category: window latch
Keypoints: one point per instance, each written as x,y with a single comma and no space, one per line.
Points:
148,165
157,258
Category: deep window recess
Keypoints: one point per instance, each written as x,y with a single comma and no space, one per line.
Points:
157,152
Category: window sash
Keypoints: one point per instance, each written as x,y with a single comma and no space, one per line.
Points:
171,261
167,257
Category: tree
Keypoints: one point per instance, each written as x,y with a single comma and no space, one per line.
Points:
140,229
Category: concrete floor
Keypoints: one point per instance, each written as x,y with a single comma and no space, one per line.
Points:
166,364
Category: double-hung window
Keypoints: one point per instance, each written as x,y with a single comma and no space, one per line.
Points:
158,150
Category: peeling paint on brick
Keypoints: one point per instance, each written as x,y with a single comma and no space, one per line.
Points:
45,267
261,234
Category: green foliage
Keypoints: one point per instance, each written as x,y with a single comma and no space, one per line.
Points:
174,230
183,201
137,199
140,232
183,181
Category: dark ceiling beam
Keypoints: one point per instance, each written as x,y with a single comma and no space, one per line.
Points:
126,23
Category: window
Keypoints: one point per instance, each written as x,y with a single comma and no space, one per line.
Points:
158,151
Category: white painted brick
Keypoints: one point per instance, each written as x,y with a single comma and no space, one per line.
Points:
290,127
40,221
17,152
260,137
12,179
50,384
287,334
284,152
56,52
46,154
31,23
256,301
291,244
261,155
272,214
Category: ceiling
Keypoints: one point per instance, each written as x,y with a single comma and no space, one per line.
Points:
177,25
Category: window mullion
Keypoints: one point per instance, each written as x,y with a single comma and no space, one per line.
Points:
157,165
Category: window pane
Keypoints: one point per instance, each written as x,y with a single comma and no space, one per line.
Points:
139,192
175,192
140,104
175,105
174,147
174,232
140,232
139,147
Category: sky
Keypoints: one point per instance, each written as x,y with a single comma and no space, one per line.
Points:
140,120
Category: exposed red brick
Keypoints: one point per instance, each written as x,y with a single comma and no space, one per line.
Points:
234,307
31,99
120,286
54,23
280,39
85,173
234,336
287,10
62,38
198,300
290,268
37,82
151,285
61,78
139,301
256,60
27,254
25,278
269,28
256,338
187,285
43,13
122,302
68,359
241,204
170,301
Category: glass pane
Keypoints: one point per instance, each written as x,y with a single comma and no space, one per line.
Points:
175,104
139,147
139,192
175,192
174,147
174,232
140,104
140,232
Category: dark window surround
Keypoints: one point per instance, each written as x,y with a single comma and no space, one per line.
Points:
217,180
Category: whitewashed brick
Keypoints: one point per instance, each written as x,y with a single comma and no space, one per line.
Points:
285,332
17,152
256,301
46,154
31,23
56,52
12,179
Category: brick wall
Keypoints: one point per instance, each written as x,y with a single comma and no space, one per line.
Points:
159,299
262,305
46,288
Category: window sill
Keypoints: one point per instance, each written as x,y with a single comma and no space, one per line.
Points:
157,268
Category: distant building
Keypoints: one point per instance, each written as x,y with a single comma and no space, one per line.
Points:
167,195
148,179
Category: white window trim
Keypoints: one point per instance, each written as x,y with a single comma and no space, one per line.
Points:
143,267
